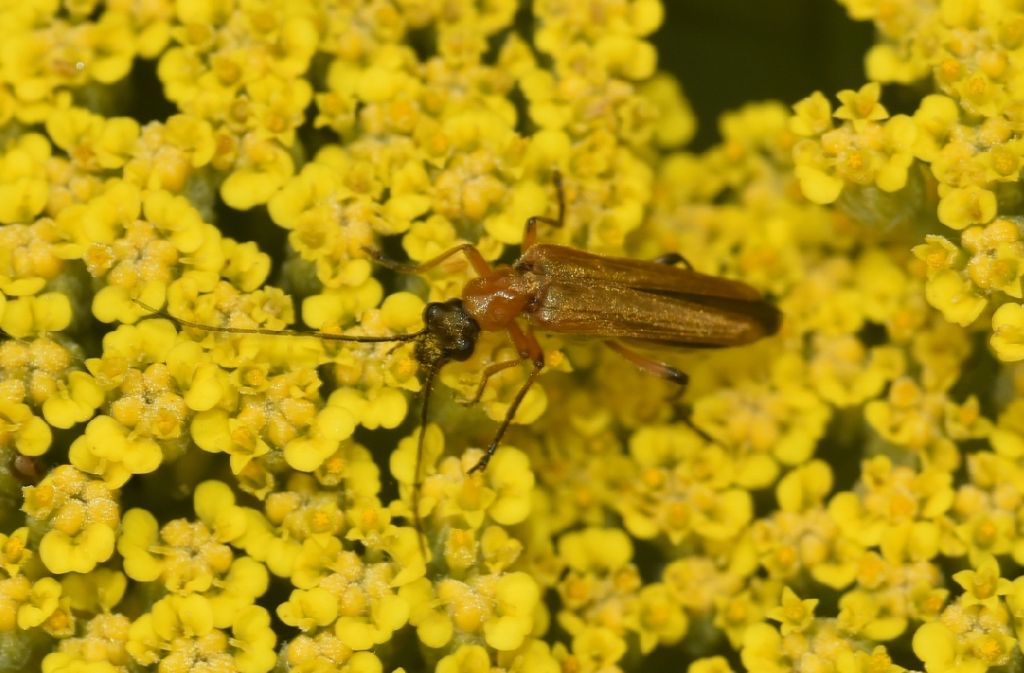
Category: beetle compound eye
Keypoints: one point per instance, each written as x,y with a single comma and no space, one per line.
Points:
462,349
432,313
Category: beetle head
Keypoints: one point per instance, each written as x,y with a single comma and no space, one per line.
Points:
450,333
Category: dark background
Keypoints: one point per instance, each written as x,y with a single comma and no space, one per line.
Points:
729,52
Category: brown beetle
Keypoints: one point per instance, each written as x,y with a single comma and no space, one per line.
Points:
555,288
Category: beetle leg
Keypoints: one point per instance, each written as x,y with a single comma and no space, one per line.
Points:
690,424
529,349
659,369
673,258
664,371
530,232
490,371
476,260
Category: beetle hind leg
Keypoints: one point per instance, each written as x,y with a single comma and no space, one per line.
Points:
662,370
673,258
650,365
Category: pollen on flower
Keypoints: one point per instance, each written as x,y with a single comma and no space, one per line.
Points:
180,628
77,516
866,158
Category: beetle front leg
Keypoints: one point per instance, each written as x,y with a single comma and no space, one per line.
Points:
530,232
529,349
489,371
476,260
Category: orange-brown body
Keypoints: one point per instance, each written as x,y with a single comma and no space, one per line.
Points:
561,289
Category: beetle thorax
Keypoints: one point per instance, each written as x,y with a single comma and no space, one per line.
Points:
495,301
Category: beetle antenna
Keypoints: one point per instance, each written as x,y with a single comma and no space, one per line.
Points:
417,479
326,336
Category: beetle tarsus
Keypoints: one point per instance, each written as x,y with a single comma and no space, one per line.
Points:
398,267
676,376
481,464
690,424
671,259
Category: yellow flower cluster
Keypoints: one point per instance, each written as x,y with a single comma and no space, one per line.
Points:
844,496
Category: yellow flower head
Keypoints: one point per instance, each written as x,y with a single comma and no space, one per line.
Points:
79,515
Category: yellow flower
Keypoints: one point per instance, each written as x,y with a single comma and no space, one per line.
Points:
865,614
710,665
813,115
736,612
764,424
595,649
676,122
971,641
24,189
595,549
169,152
983,586
516,598
41,604
253,640
961,207
30,435
98,591
93,141
794,614
14,553
846,373
661,620
510,476
861,106
324,653
263,166
308,610
79,515
762,650
936,116
177,629
368,614
934,645
100,647
107,449
1007,338
73,401
46,312
502,609
192,557
466,659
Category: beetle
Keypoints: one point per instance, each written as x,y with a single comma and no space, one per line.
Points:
559,289
554,288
